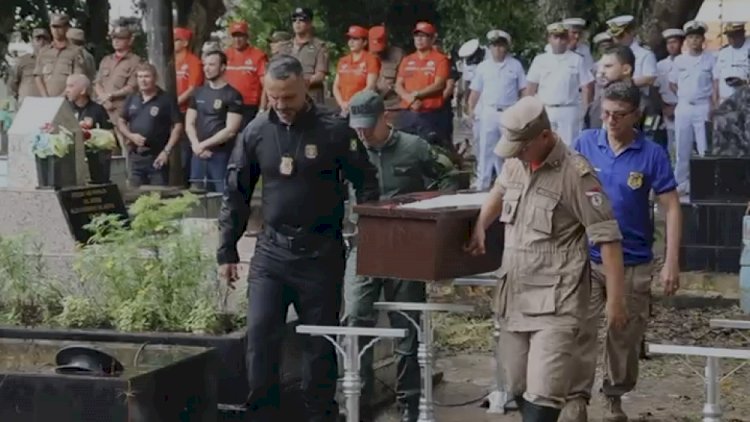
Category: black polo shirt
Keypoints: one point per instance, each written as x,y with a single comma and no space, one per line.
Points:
92,112
212,106
152,119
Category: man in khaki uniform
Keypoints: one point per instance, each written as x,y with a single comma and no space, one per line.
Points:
390,57
280,43
22,82
117,76
311,52
58,60
552,205
77,37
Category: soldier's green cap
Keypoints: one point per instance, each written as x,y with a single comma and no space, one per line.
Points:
280,36
40,32
365,108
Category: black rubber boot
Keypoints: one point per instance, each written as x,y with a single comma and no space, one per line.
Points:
409,408
531,412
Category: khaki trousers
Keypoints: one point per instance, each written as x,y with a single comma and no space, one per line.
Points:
621,347
537,364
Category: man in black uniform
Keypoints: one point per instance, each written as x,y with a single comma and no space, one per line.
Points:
212,121
151,124
90,114
301,152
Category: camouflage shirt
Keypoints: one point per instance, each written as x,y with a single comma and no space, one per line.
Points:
731,130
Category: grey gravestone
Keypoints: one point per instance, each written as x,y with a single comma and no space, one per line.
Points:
34,113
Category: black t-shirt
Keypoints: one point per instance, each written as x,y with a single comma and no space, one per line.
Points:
212,106
94,113
153,119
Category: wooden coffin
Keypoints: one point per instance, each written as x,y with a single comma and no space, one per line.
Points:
421,237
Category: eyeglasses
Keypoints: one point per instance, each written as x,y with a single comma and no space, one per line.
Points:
616,115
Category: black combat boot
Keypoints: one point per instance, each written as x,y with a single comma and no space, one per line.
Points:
534,413
409,408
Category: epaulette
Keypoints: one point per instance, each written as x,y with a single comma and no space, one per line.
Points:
582,165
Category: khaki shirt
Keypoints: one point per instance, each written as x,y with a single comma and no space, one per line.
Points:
314,58
389,62
549,215
54,65
22,83
114,75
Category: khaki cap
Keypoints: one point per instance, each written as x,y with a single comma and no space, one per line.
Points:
60,19
121,32
280,36
521,123
75,34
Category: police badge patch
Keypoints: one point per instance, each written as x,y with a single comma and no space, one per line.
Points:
311,151
217,104
154,111
353,145
635,180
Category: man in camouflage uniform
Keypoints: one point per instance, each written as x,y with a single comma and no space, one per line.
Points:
731,122
78,38
22,83
406,164
58,60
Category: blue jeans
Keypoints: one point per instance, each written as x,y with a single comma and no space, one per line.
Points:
209,173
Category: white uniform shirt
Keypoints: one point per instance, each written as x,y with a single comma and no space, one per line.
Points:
560,77
728,58
663,69
694,78
498,83
645,63
581,49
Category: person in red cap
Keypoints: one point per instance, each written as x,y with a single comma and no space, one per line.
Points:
420,82
390,57
245,69
189,77
356,71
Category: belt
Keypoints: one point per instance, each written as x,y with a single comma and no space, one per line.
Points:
699,102
304,242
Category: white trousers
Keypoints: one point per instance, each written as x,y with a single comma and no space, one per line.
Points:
566,122
488,163
690,128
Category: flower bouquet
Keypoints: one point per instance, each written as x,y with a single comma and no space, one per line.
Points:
52,146
99,145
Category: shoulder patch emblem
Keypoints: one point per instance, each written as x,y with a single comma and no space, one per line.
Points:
582,165
353,145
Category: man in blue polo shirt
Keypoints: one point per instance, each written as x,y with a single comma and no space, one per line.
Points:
629,167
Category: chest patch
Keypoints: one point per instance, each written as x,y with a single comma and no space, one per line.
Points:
635,180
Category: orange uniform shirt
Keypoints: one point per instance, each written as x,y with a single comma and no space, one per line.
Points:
245,69
421,72
353,73
189,74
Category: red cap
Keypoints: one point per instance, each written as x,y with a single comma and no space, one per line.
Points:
377,39
356,32
424,27
183,34
238,28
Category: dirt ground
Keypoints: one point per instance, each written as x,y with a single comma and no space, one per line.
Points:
669,390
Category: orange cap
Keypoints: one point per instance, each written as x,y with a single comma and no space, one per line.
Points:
238,28
424,27
377,39
183,34
356,32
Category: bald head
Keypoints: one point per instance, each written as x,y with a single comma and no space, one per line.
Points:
76,87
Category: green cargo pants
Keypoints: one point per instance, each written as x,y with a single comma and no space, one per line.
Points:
360,294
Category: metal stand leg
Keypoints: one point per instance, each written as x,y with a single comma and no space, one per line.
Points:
425,354
712,407
352,382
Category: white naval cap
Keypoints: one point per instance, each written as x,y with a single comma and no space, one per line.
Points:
601,37
695,27
673,32
619,24
468,48
574,22
498,34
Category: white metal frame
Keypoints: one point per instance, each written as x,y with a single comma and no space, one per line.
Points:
425,338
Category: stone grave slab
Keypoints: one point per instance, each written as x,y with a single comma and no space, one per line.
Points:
34,113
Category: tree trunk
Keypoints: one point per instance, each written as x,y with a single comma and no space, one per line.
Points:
658,15
202,20
98,26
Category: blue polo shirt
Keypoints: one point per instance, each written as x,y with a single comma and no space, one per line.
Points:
627,180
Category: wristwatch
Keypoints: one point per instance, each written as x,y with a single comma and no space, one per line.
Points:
167,150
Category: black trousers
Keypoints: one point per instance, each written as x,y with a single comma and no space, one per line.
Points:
312,282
